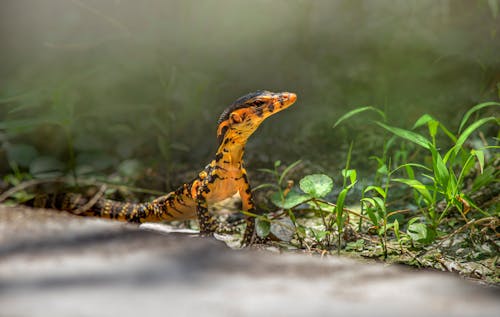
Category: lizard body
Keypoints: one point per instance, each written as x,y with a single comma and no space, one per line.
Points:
221,178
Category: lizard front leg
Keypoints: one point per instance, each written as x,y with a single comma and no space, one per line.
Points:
248,205
206,220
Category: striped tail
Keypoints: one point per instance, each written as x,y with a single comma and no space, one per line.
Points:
165,208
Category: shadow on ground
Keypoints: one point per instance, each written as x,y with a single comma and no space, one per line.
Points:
54,264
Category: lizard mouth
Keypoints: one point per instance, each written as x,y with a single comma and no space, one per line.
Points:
281,101
292,97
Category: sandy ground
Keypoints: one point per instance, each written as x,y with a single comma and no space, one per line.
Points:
54,264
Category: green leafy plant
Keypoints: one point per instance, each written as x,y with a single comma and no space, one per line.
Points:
312,191
443,179
437,183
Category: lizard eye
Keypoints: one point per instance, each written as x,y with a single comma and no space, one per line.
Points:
258,103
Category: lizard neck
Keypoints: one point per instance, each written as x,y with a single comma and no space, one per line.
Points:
230,154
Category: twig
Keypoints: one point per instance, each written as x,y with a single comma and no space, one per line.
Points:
347,210
91,202
34,182
468,224
26,184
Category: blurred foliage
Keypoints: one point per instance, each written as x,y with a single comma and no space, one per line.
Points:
87,86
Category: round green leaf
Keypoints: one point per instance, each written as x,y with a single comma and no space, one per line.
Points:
291,200
421,233
262,227
316,185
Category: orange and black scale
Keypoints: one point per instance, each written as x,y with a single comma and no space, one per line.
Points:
220,179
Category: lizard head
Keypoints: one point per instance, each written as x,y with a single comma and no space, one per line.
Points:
244,116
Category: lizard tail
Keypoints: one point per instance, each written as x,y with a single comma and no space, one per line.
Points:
161,209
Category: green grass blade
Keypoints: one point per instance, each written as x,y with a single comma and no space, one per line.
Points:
375,202
380,204
370,201
479,154
418,186
266,185
266,170
287,170
371,214
340,207
440,170
359,110
429,177
451,188
467,132
410,172
474,109
422,121
433,126
378,189
448,133
408,135
411,165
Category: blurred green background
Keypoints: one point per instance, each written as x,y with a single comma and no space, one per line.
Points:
102,85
